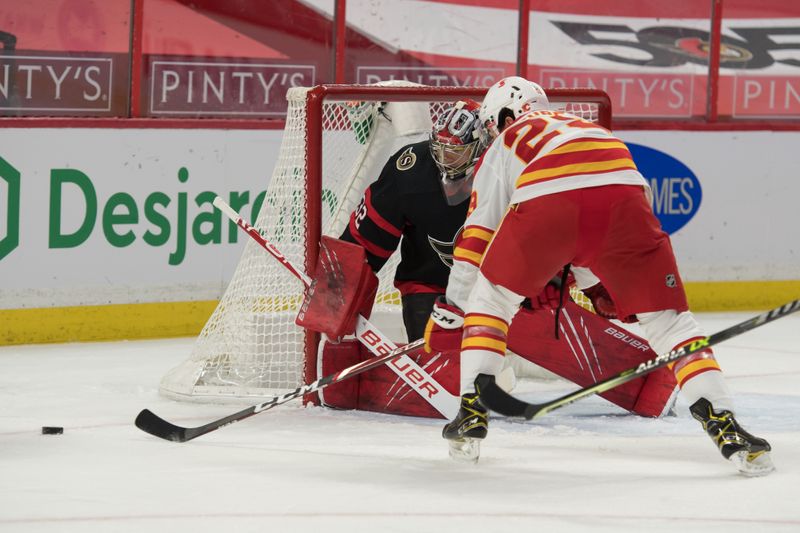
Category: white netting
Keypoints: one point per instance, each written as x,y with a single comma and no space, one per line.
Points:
250,346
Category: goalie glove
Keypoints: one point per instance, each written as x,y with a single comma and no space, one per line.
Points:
445,327
549,298
343,288
603,303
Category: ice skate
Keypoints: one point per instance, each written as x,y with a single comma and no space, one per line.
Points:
750,454
465,432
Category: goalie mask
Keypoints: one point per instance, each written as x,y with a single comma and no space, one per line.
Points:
456,146
509,97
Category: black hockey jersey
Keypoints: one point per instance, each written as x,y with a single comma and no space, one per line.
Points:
407,201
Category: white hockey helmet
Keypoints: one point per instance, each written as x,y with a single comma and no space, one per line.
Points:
509,97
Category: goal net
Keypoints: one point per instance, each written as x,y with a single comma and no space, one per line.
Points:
336,140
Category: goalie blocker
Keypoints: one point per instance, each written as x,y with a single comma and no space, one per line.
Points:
589,349
343,287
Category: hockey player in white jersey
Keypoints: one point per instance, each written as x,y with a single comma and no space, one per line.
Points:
554,190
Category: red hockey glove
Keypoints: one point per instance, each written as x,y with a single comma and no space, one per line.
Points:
601,301
547,299
604,305
445,327
343,287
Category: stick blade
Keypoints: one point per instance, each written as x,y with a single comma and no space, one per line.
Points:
151,423
498,400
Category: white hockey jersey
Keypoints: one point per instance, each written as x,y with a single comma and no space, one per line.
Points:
543,152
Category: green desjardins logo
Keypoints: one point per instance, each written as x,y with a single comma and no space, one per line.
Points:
157,219
9,180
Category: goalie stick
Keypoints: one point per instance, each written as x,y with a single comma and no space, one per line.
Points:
498,400
153,424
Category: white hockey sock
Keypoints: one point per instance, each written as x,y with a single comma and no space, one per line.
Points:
474,362
711,386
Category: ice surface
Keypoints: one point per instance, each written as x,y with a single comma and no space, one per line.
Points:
586,467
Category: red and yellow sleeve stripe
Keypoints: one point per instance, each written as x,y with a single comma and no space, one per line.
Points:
484,332
472,245
578,157
693,365
482,320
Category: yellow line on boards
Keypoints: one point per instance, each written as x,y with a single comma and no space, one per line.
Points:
721,296
181,319
104,322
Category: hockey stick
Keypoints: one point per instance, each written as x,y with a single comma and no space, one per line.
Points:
498,400
370,336
155,425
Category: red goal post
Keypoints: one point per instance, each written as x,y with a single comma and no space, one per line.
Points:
335,142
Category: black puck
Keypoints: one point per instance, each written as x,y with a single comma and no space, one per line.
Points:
52,430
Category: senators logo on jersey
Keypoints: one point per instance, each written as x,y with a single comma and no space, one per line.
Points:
406,160
445,249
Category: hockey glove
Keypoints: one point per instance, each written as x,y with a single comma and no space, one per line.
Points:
547,299
601,301
445,327
603,304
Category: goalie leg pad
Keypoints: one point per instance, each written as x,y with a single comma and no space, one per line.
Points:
590,349
657,395
333,358
380,390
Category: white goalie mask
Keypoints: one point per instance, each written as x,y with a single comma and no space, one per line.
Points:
514,94
455,147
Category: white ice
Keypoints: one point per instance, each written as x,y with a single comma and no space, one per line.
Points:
586,467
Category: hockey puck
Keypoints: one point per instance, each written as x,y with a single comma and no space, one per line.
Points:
52,430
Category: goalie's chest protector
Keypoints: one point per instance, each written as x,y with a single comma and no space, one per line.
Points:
431,225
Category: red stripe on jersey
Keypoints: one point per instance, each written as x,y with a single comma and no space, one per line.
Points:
470,250
584,156
415,287
377,219
579,169
368,245
471,244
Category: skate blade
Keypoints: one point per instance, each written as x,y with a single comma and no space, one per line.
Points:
753,464
465,450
